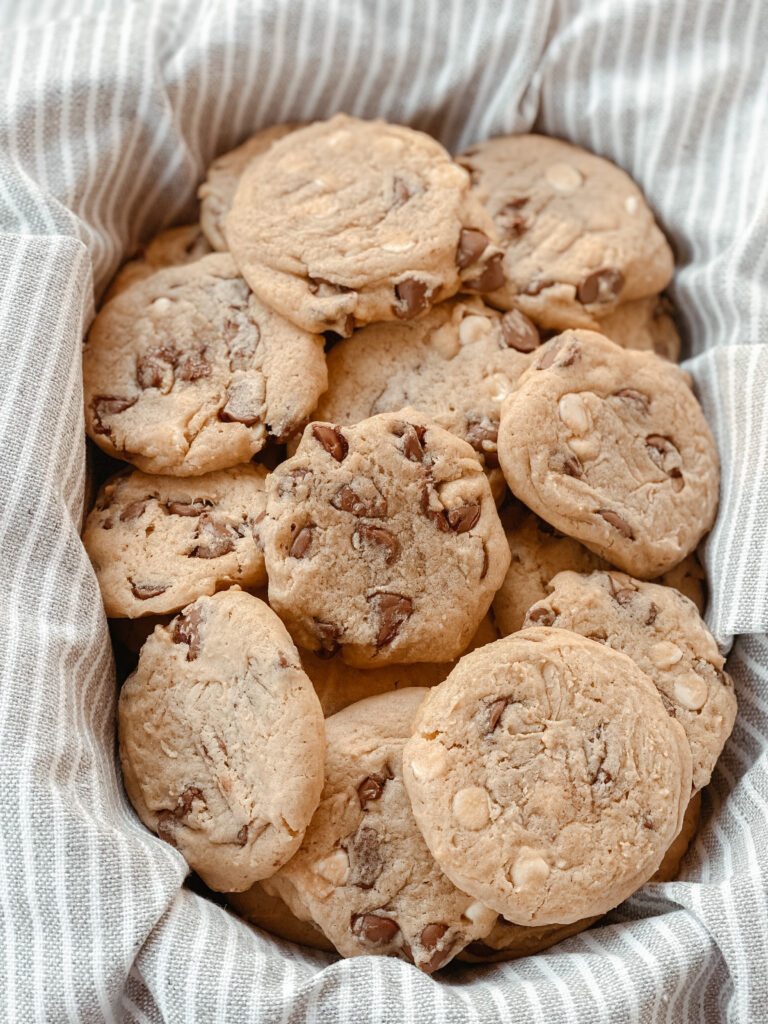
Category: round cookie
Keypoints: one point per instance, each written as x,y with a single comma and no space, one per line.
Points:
578,235
222,740
272,915
669,868
172,248
363,871
665,636
455,364
645,324
538,552
382,539
218,190
338,685
188,372
547,777
346,222
159,542
508,941
611,447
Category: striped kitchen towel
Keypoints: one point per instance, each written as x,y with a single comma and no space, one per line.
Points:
109,114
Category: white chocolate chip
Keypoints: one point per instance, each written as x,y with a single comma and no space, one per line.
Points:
431,763
477,912
665,654
530,870
563,177
690,691
574,413
334,868
470,807
630,204
500,387
398,242
473,329
161,306
585,448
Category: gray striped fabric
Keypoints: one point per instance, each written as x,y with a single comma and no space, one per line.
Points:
109,114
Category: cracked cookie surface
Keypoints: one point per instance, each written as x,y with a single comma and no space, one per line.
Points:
363,871
547,777
159,542
399,515
345,222
611,447
578,235
188,372
665,636
222,739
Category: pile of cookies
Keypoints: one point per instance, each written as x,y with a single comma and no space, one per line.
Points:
433,406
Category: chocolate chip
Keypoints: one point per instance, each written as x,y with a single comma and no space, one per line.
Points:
540,617
155,369
566,462
166,822
109,405
189,508
242,836
370,789
461,518
472,245
194,367
400,193
217,538
437,516
483,434
245,402
392,610
648,823
653,611
365,860
429,938
642,401
363,501
491,278
625,596
664,454
186,630
413,297
329,634
382,540
242,340
184,805
495,711
302,542
332,439
414,445
518,332
132,511
601,286
552,353
615,520
143,591
374,928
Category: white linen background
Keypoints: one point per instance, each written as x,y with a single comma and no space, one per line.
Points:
109,114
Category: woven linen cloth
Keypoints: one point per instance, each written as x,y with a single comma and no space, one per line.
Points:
109,114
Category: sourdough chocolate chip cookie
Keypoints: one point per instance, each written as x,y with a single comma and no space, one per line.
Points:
188,372
218,190
610,446
579,237
338,685
538,553
644,324
172,248
273,915
363,871
382,539
346,222
455,364
159,542
222,740
547,777
664,634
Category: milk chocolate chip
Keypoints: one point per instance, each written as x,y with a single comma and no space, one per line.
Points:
382,540
217,539
412,298
109,405
490,279
472,245
615,520
186,630
143,591
374,928
332,439
601,286
302,542
518,332
393,610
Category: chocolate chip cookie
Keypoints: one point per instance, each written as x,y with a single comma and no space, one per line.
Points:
188,372
539,552
382,539
578,235
345,222
363,870
610,446
273,915
665,636
645,324
669,868
547,777
218,190
172,248
222,740
159,542
508,941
